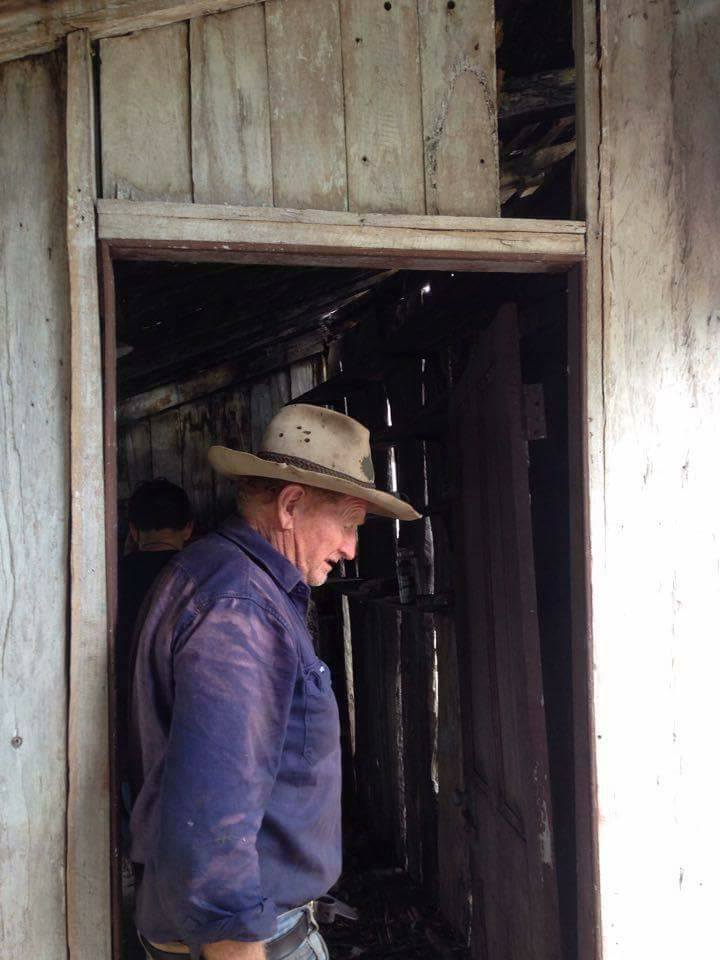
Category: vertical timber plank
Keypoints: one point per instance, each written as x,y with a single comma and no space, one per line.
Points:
230,109
383,114
135,439
306,98
457,45
304,375
88,821
166,437
145,115
653,468
230,427
266,398
585,366
197,474
454,877
34,509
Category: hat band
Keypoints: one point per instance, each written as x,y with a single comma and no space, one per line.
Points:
310,465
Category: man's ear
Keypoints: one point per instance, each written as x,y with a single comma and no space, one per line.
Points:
134,532
187,531
287,502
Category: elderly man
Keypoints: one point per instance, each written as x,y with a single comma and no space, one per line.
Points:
234,727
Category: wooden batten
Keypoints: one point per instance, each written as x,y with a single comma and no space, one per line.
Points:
145,115
395,241
41,25
231,160
382,106
34,510
457,44
585,360
88,826
306,96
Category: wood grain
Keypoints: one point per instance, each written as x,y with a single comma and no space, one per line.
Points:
38,26
88,824
382,106
197,474
166,433
534,241
307,120
304,375
230,109
585,364
267,396
230,426
654,407
135,438
216,212
145,115
34,509
457,54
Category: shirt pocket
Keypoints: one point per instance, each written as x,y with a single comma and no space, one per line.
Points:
322,726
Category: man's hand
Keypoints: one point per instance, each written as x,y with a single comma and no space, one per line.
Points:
233,950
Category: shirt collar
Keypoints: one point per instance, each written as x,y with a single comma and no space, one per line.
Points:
285,574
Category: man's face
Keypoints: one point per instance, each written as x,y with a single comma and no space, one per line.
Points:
325,532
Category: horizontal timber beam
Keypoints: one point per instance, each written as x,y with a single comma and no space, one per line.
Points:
37,27
266,235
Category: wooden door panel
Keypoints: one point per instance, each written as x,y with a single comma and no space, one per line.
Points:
515,886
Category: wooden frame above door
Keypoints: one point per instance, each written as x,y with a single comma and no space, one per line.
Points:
155,230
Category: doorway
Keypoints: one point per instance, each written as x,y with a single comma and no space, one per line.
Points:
205,353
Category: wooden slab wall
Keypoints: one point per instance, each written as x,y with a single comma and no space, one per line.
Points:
654,442
230,109
174,443
363,105
145,115
34,508
454,832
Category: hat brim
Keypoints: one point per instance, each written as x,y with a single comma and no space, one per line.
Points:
235,463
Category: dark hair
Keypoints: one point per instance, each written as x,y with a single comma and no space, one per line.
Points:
159,505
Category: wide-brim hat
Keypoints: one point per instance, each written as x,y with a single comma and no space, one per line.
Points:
317,448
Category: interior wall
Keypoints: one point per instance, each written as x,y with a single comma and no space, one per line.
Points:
174,443
654,418
34,508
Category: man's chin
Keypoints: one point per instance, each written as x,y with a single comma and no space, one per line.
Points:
318,577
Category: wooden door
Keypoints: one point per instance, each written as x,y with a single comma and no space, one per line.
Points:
514,888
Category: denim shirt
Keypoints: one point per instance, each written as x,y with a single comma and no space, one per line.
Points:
235,746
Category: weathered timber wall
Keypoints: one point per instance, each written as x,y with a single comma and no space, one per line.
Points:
361,106
654,415
174,443
34,509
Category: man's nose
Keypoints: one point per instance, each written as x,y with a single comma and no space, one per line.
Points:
349,547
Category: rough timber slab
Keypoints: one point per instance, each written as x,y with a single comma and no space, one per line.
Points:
34,510
269,233
230,116
41,25
88,871
145,115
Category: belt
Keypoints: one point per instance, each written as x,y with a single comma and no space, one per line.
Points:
276,949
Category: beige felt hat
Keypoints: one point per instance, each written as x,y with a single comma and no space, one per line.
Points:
318,448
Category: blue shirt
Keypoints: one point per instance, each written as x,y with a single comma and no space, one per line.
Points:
235,746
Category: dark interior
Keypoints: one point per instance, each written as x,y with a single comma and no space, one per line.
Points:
206,353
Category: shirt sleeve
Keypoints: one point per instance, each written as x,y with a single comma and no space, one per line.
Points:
235,670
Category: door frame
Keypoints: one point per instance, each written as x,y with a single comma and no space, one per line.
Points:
164,231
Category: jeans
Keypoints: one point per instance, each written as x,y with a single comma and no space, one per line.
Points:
313,946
